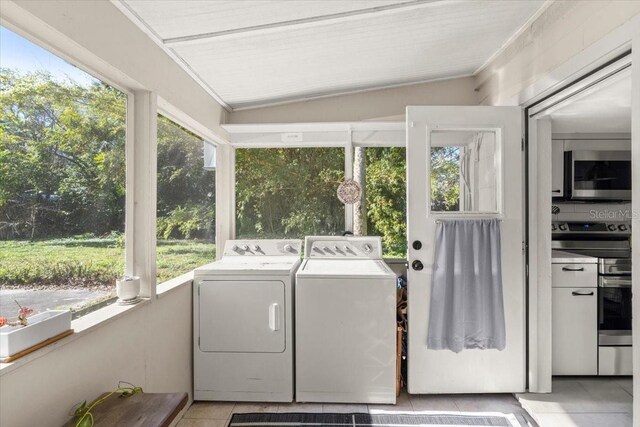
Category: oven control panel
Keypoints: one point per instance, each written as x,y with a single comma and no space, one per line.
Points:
618,228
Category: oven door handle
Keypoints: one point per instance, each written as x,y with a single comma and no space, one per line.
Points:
615,281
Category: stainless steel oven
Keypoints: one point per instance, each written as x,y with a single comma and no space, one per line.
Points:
598,175
614,301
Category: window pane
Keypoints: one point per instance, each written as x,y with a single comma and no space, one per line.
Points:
463,171
62,191
186,202
288,192
385,209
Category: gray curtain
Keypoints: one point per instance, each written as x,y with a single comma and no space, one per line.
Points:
467,310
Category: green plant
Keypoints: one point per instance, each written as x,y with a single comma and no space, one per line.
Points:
82,412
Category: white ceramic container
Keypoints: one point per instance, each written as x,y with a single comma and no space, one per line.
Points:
128,288
42,326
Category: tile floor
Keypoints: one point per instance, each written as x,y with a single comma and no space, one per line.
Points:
583,402
218,414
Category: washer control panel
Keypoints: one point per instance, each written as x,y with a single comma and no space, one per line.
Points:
365,247
266,247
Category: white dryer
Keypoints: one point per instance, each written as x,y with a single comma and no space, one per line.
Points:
243,322
345,322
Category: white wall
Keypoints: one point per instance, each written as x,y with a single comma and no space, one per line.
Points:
149,346
97,36
376,104
563,30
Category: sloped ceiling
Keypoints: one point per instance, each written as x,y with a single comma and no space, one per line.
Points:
254,53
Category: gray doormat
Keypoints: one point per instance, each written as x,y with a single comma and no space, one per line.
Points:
377,420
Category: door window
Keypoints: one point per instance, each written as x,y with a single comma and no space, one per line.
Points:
464,167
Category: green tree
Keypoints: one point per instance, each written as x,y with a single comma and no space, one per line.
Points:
387,198
289,192
186,191
61,156
445,178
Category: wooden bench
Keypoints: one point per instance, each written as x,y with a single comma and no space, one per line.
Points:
139,410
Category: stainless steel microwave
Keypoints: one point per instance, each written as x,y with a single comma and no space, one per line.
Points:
598,175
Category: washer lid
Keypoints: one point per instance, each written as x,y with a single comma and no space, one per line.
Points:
351,268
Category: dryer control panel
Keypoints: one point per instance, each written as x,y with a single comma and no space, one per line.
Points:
364,247
263,247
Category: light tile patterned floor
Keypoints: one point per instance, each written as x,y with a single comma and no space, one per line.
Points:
218,414
583,402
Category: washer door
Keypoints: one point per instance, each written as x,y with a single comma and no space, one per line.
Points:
242,316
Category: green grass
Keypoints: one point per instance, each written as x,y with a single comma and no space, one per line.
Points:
90,261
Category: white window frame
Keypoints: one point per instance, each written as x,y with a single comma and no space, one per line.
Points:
346,135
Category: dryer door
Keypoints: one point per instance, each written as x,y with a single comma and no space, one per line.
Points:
242,316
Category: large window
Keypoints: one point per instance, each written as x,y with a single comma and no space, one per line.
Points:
288,192
62,185
186,202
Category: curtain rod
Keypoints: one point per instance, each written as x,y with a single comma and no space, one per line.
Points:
439,221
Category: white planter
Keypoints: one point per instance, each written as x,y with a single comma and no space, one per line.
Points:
128,288
42,326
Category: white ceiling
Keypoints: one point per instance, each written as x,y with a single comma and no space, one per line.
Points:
251,53
604,110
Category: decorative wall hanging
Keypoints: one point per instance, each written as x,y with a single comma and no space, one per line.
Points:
349,192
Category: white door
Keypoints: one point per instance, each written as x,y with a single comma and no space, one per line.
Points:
242,316
473,158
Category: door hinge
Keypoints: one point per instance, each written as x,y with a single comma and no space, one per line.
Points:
198,341
522,144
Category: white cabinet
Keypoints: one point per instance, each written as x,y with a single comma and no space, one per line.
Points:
574,275
575,331
557,168
575,317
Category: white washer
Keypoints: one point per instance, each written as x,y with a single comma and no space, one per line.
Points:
345,322
243,322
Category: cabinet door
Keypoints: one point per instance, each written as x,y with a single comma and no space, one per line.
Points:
575,331
557,168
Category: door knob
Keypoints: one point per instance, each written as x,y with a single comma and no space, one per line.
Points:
417,244
417,265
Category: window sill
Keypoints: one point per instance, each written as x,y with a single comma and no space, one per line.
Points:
96,319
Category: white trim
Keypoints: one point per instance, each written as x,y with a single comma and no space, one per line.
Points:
225,197
528,23
540,362
139,22
141,191
309,127
269,135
